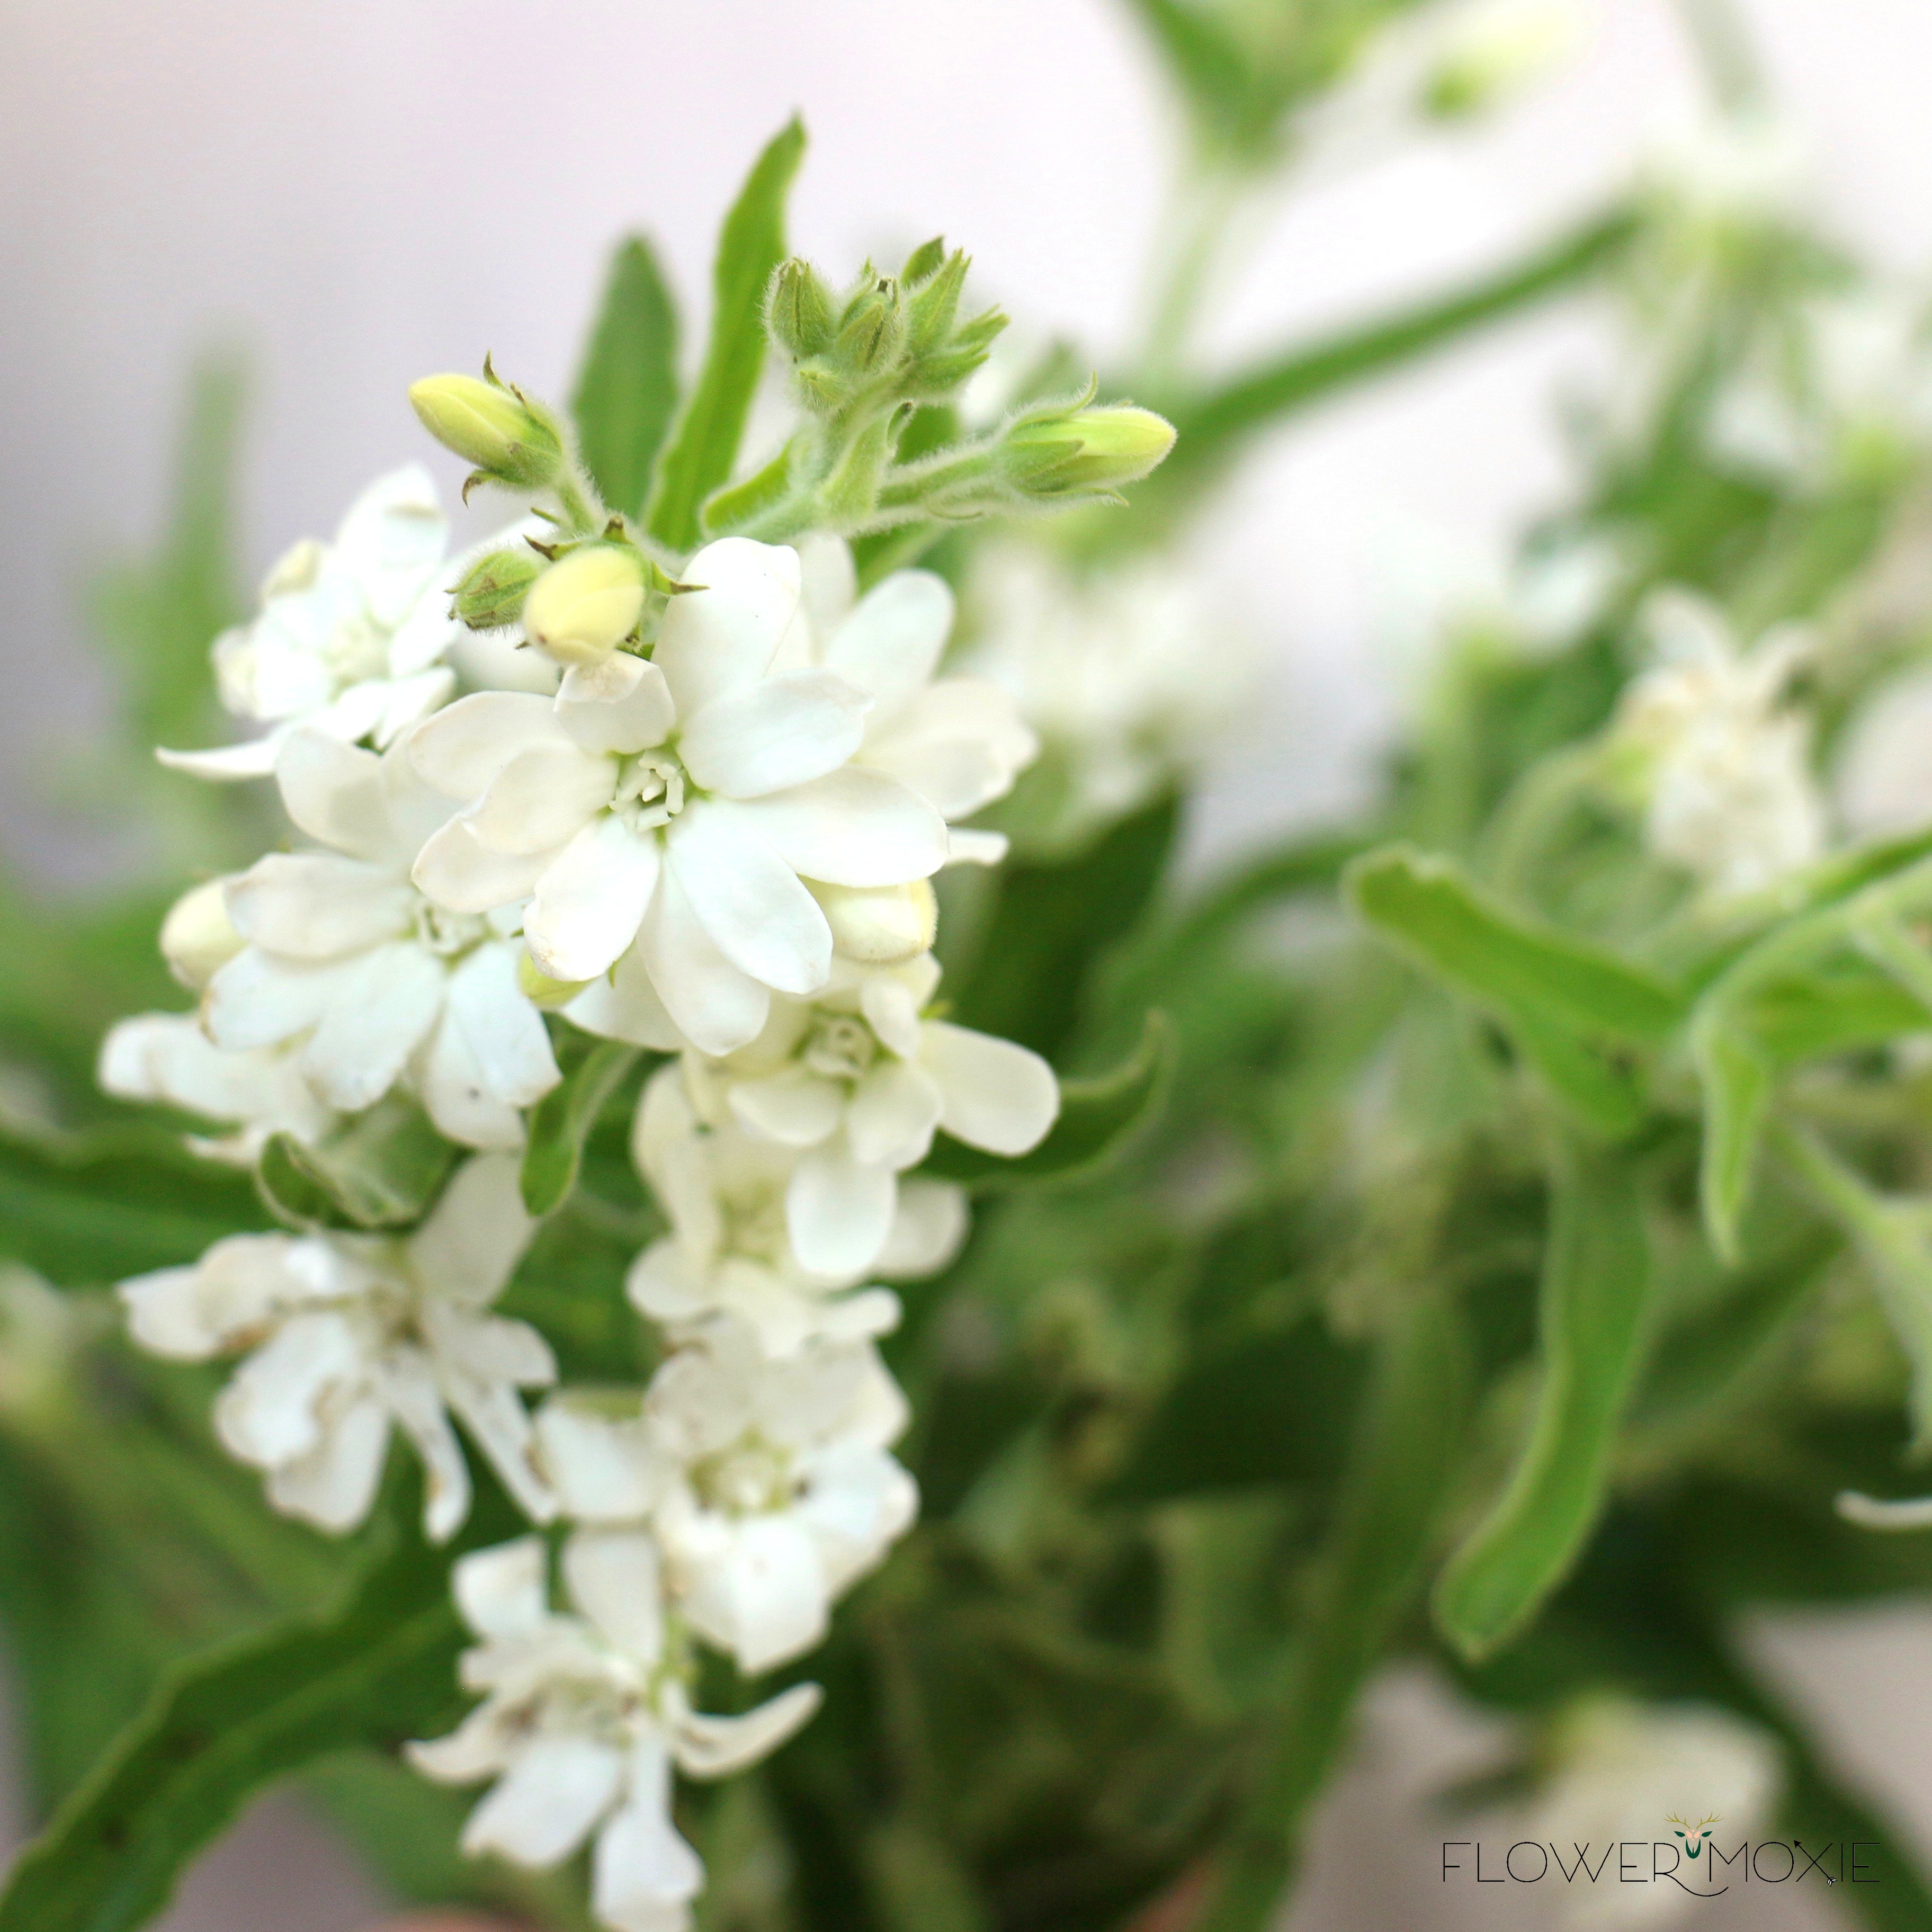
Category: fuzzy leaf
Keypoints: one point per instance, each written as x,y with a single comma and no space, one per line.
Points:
1596,1303
627,387
561,1121
375,1668
704,445
1097,1119
379,1169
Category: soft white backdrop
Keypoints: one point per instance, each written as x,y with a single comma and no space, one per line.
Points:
356,192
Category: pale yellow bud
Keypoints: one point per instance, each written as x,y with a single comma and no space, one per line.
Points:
878,925
586,604
540,990
198,938
494,427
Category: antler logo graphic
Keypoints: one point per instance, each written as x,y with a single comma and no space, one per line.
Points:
1696,1836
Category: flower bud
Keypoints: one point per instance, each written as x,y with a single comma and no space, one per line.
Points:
491,597
491,426
540,989
198,938
798,311
877,926
1494,55
1084,451
585,604
872,331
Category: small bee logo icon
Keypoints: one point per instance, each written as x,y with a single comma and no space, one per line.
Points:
1696,1836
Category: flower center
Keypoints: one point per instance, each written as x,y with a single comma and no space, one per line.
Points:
752,1478
755,1226
356,650
447,934
840,1046
649,790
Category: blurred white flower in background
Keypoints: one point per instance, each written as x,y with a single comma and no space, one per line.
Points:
167,1058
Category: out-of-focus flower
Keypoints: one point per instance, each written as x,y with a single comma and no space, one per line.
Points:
679,803
1883,781
351,635
342,951
585,1714
1723,770
345,1334
167,1057
858,1082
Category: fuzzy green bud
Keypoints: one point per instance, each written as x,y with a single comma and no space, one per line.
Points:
198,938
1085,451
878,925
494,427
872,332
491,597
580,609
798,310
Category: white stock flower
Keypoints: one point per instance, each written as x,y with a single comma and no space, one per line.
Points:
857,1081
1129,681
1625,1770
345,1333
583,1718
729,1252
958,741
679,803
1724,771
379,984
351,634
166,1058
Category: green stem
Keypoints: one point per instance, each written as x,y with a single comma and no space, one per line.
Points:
1535,806
1205,202
580,508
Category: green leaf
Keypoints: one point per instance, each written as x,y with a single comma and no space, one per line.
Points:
1207,61
376,1668
85,1209
1571,1006
702,448
1097,1117
379,1169
1596,1303
1736,1079
627,387
560,1122
1408,1442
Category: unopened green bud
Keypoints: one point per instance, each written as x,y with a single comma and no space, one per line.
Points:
495,428
198,938
491,597
878,925
1086,452
925,262
540,989
585,604
798,310
871,331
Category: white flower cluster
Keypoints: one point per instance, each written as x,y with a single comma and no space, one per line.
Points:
717,846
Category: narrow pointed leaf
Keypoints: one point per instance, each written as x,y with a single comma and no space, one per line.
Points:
627,388
561,1120
1736,1079
1596,1306
704,445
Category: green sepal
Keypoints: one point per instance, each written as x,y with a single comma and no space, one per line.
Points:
561,1122
379,1169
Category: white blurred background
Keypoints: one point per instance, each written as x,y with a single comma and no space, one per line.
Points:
356,192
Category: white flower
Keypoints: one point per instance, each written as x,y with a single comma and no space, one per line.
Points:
729,1253
857,1081
346,1334
958,741
1626,1771
584,1719
167,1058
344,953
1883,779
1725,773
680,803
1129,681
350,635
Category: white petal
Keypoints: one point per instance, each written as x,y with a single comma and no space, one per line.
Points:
890,646
724,637
624,1005
253,758
505,1032
959,744
828,582
603,1468
796,1107
854,827
255,1000
544,1806
334,793
460,873
781,731
858,1502
894,1110
748,899
383,1008
838,1211
165,1315
333,1485
542,799
499,1425
633,720
644,1875
927,1229
966,847
475,1234
392,540
460,749
715,1005
891,1000
996,1095
449,1080
613,1579
501,1591
483,1744
313,905
767,1599
410,1387
716,1747
591,899
663,1282
268,1413
167,1057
